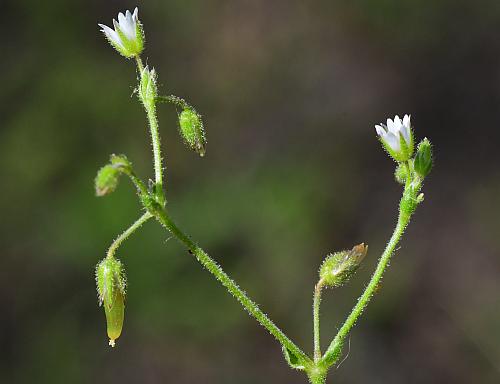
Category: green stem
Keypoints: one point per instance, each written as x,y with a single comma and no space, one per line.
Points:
172,99
120,239
230,285
150,108
334,349
316,305
139,64
318,376
141,187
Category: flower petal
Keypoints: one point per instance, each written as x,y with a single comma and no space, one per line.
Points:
406,120
397,123
127,25
392,141
111,34
380,130
405,132
121,19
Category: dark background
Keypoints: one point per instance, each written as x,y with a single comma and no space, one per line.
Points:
290,92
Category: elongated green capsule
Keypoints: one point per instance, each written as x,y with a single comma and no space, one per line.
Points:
191,127
114,316
111,282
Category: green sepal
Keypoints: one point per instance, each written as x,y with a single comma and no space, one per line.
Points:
140,36
110,277
406,150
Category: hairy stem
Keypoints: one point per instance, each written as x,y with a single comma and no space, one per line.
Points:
139,185
120,239
335,346
316,305
150,108
172,99
229,284
317,377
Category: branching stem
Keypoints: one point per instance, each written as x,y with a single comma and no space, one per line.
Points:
405,212
212,266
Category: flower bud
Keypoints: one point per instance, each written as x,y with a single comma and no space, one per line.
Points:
106,180
111,283
108,176
191,128
147,86
121,162
423,158
128,36
340,266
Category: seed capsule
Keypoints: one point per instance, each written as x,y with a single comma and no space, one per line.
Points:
192,131
114,317
110,279
340,266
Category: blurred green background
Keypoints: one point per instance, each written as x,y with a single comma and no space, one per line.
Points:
290,91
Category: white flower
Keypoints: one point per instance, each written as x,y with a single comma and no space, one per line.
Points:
397,137
127,37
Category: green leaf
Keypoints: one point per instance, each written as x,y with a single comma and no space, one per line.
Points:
293,360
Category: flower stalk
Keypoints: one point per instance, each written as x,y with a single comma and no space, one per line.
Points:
215,269
316,322
407,207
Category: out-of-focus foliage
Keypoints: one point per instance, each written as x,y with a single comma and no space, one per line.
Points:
289,92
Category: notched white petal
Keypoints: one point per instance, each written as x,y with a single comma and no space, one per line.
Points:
121,18
127,25
397,122
406,120
380,131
